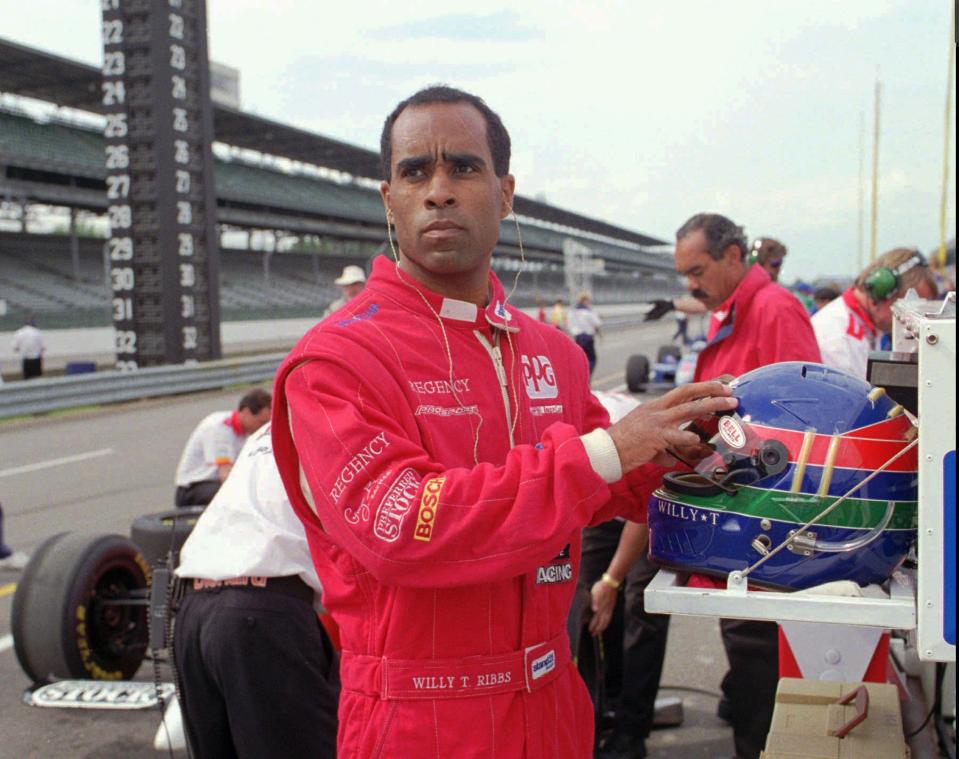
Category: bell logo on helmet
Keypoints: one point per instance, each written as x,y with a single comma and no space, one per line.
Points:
731,431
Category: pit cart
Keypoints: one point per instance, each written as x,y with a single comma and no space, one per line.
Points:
844,637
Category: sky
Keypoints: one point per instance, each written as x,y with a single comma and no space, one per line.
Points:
639,113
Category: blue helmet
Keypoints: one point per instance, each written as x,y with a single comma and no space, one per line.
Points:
803,437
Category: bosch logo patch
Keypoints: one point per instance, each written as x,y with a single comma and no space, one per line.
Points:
429,504
539,378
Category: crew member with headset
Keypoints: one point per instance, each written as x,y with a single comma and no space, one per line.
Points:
850,326
257,672
769,253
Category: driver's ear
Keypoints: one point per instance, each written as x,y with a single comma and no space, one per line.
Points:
508,187
385,195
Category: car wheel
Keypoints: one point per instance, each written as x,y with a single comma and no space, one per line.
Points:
157,535
637,373
80,610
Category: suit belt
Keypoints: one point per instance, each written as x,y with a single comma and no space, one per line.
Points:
528,669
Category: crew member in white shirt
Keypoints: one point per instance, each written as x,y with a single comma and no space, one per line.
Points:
213,447
258,674
28,342
850,326
584,326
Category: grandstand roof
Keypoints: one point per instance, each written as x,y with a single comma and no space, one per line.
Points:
38,74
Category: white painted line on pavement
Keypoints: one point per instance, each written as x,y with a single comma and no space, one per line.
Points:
55,462
6,642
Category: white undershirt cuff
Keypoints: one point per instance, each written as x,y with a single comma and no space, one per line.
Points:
603,455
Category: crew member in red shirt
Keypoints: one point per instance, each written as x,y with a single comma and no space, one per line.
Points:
444,451
754,322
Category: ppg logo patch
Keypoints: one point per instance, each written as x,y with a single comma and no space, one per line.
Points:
543,665
539,378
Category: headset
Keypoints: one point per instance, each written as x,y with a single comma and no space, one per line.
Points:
884,283
756,249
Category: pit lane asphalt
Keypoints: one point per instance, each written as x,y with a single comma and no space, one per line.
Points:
96,470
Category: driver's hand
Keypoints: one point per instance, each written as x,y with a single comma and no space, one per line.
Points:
652,428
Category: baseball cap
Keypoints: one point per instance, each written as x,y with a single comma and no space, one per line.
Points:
351,275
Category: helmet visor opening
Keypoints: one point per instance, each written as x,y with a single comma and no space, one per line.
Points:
738,457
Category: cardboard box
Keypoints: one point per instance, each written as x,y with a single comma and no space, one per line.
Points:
808,715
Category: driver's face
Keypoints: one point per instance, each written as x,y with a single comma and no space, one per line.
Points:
445,197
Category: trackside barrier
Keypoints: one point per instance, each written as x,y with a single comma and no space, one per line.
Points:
50,394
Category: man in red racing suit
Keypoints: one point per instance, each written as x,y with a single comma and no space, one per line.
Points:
443,455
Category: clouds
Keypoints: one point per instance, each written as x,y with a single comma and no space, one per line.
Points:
504,25
638,113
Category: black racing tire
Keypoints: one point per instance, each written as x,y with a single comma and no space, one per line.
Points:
637,373
156,535
668,350
22,601
63,623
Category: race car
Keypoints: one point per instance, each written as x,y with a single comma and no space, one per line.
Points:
673,366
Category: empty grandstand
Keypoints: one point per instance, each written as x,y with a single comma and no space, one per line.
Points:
313,196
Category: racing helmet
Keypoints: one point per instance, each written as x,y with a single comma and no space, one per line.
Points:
807,443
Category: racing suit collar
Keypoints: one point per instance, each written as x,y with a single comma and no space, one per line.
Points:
853,304
387,279
736,304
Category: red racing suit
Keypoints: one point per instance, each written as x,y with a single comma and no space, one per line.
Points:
449,494
761,323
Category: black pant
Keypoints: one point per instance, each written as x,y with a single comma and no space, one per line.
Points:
5,550
588,344
32,367
196,493
750,685
258,676
636,652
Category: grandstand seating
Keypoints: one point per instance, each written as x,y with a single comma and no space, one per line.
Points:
53,146
36,276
